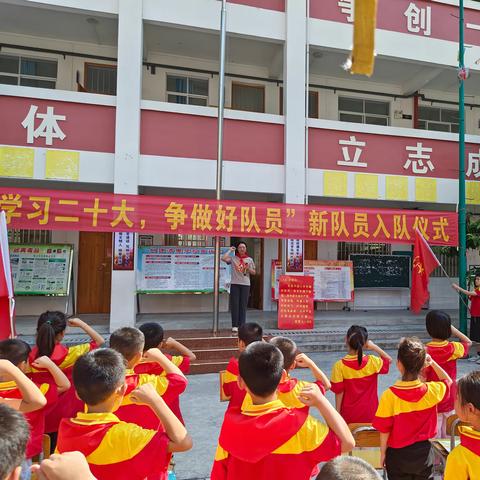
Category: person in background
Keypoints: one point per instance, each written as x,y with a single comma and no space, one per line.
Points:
439,327
348,468
242,267
463,463
354,378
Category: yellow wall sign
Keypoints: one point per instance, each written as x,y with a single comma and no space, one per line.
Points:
62,165
16,162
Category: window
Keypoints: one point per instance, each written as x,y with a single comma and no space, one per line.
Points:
437,119
191,241
345,249
357,110
187,90
37,237
28,72
448,261
313,111
101,79
250,98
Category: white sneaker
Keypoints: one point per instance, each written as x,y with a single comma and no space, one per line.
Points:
234,329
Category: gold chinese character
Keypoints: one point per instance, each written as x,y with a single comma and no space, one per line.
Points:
400,229
122,214
317,223
439,229
201,216
42,211
175,215
381,228
60,218
95,210
360,225
225,215
9,204
273,221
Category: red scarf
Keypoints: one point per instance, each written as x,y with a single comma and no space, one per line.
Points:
241,257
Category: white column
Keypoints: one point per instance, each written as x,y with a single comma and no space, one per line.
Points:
127,141
270,252
294,99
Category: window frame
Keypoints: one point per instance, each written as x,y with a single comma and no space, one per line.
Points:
364,114
87,65
19,76
435,121
187,95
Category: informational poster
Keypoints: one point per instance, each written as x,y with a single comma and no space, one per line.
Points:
41,269
295,304
333,279
294,256
276,272
123,250
179,270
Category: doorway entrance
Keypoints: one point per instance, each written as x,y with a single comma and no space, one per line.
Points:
94,272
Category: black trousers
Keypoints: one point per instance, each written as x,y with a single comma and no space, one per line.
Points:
414,462
238,303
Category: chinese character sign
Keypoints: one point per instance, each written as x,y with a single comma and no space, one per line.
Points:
107,212
294,256
295,304
123,250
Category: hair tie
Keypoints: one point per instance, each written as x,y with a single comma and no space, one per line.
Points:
49,322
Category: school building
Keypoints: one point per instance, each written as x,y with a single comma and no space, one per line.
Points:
121,96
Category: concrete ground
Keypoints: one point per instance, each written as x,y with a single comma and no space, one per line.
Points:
203,413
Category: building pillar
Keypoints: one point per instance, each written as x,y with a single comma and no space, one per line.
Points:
127,142
270,252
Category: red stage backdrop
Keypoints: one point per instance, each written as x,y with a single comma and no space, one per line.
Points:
108,212
295,302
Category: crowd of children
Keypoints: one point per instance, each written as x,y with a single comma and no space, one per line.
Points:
115,412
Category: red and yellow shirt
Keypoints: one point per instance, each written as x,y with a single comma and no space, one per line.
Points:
359,384
289,391
169,387
68,403
446,355
36,419
230,386
408,412
475,304
268,441
154,368
463,463
115,449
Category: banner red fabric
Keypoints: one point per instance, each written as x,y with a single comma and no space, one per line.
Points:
295,302
424,263
107,212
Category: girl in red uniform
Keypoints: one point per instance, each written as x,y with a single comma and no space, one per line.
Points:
355,377
474,296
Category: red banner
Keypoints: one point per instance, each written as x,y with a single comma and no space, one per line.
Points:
295,303
92,211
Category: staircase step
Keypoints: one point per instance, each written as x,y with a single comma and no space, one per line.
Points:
220,354
207,367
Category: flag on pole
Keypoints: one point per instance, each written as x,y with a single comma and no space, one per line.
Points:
424,263
363,54
7,302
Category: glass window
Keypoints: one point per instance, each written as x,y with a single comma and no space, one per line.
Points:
8,64
198,86
8,80
376,120
33,82
27,71
38,68
438,119
357,110
429,113
377,108
438,127
450,116
347,117
350,104
187,90
101,79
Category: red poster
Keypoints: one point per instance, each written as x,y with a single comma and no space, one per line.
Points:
295,304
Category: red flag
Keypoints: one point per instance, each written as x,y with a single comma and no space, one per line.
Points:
424,263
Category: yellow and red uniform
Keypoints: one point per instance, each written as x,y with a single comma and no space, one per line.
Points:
463,463
359,384
289,390
36,419
446,355
408,412
115,449
272,441
154,368
230,386
68,404
169,387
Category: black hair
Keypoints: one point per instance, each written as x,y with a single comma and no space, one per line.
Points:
438,324
476,276
16,351
153,333
129,341
288,348
261,366
237,244
411,354
97,374
14,434
468,389
347,468
357,337
49,325
250,332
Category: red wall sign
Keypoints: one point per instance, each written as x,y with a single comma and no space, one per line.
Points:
295,303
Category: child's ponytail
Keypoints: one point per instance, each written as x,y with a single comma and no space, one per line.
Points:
49,325
357,337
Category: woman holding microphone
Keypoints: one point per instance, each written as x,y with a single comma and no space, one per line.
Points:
242,267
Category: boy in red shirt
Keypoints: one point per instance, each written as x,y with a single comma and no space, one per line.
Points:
170,385
267,440
407,414
247,333
439,327
116,449
463,463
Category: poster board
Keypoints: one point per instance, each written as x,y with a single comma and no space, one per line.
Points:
41,269
179,270
333,280
276,272
381,271
295,304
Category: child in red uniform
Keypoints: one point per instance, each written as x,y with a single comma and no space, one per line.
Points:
445,353
170,385
17,351
115,449
247,333
154,338
268,440
474,296
407,414
51,328
463,463
289,388
355,377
